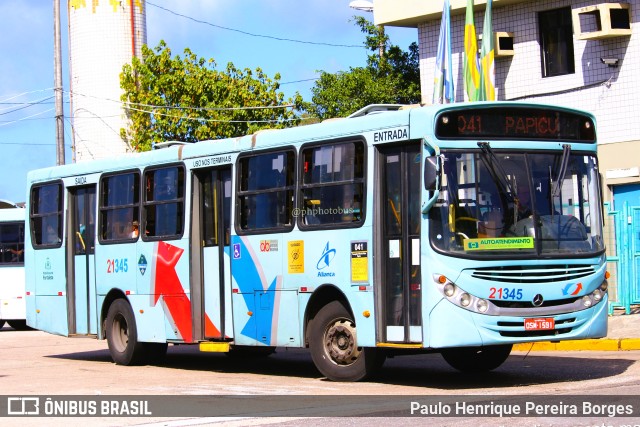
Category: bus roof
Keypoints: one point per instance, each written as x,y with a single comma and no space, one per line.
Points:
368,121
12,214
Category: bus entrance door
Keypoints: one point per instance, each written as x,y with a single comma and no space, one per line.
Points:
81,289
210,246
400,299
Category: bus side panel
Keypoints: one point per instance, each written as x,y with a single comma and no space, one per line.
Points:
327,261
12,300
256,268
152,322
162,274
50,289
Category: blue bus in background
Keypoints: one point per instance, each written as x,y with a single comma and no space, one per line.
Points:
461,229
12,286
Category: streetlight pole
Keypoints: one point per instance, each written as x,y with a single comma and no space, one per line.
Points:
57,66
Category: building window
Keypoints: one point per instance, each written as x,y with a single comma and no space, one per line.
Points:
119,206
332,188
266,184
46,215
164,203
556,42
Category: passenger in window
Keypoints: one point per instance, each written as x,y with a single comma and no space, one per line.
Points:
135,231
51,235
16,255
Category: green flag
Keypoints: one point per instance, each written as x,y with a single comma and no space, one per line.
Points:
487,68
470,59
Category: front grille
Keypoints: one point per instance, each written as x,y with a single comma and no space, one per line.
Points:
532,274
529,304
525,334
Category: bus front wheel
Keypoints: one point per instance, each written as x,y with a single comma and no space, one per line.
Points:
477,359
334,347
122,334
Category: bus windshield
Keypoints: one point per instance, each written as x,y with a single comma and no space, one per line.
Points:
532,204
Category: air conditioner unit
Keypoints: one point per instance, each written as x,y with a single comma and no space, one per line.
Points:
602,21
503,44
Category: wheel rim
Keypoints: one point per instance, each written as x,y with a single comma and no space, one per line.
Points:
340,342
120,333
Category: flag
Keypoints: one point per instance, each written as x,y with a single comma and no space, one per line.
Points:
470,59
487,69
443,91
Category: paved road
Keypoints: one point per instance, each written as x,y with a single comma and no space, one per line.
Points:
35,363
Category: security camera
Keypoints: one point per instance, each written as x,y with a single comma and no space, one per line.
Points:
611,62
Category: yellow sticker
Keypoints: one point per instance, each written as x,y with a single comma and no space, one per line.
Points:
296,256
498,243
359,262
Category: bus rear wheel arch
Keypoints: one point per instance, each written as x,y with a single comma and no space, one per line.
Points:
122,337
334,347
477,359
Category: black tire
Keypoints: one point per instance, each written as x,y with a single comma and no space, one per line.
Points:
477,359
122,335
18,325
333,345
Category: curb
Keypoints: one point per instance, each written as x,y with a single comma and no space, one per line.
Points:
603,344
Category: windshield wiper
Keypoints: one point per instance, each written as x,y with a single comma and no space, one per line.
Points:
500,176
557,184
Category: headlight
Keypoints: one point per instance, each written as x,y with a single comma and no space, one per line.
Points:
482,305
465,299
449,289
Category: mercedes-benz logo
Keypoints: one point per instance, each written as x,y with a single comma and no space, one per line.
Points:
538,300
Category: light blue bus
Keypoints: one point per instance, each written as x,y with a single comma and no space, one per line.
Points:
12,286
461,229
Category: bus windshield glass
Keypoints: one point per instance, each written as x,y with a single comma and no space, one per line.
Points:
532,204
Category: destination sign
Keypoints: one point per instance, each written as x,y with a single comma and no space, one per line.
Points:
515,123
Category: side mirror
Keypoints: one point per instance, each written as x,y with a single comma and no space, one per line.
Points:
432,173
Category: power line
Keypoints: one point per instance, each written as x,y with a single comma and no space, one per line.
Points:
173,107
253,34
26,118
24,93
31,104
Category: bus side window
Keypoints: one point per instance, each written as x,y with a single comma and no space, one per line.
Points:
119,205
265,191
46,214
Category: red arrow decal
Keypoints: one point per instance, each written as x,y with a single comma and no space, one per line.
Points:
578,289
167,284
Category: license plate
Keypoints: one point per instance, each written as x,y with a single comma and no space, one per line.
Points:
539,324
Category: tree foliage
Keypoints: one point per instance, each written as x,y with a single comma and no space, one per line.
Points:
391,76
173,98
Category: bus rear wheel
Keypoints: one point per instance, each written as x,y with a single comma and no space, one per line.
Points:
477,359
334,346
122,334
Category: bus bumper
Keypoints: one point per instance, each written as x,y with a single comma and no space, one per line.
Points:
452,326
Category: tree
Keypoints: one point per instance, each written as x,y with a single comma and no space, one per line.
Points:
187,99
392,76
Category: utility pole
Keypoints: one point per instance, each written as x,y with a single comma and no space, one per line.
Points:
57,66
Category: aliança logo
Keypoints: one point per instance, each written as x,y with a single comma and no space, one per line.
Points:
324,261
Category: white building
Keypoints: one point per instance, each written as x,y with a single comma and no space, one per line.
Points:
554,52
103,36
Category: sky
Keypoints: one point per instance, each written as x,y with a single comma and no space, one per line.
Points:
27,110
